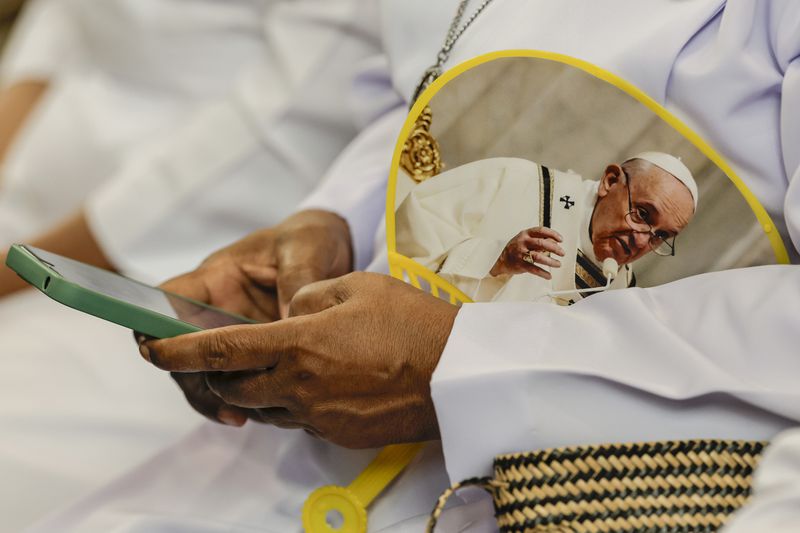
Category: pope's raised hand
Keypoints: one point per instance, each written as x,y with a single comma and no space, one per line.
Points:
352,364
527,251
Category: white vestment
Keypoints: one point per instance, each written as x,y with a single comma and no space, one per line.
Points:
457,224
709,356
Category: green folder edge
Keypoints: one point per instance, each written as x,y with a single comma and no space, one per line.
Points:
31,269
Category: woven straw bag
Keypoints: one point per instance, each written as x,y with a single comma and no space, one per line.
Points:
674,486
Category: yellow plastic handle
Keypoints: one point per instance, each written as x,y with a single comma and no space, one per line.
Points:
333,509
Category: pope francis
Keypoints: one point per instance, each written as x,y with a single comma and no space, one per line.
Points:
493,227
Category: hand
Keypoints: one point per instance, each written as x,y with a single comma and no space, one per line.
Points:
352,365
527,249
257,277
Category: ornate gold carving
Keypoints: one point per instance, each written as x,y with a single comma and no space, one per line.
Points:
420,157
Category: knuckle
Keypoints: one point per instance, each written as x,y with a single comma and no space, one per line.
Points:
341,292
215,352
345,286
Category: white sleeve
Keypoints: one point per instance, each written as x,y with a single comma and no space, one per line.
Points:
43,42
709,356
775,503
790,138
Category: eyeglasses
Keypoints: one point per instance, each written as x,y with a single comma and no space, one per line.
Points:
638,220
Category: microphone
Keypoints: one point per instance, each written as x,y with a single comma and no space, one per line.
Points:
610,268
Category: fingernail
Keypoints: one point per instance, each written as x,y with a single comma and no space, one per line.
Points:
145,351
229,417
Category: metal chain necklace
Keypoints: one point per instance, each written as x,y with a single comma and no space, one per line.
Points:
455,31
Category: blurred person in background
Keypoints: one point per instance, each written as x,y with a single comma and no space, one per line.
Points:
84,82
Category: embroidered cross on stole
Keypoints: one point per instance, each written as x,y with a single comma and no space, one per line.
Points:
577,271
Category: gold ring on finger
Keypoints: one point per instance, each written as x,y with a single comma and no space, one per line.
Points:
528,257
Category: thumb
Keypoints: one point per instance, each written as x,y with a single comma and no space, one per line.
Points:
302,260
319,296
292,279
308,254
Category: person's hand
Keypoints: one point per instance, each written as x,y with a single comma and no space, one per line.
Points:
257,277
526,250
351,365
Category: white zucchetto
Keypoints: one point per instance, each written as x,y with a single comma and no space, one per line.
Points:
673,165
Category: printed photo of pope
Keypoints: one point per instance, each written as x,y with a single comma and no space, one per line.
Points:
502,229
